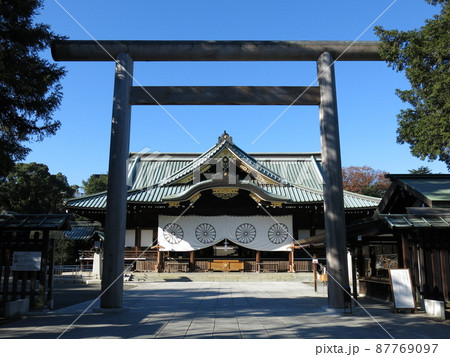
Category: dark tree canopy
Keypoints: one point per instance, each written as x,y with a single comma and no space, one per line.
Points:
422,170
424,55
30,188
365,180
95,183
29,85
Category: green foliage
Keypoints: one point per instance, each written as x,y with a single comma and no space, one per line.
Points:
424,56
422,170
66,251
95,183
29,86
30,188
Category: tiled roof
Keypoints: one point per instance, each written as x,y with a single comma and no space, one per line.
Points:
436,189
12,221
149,172
233,149
82,230
151,177
413,221
155,194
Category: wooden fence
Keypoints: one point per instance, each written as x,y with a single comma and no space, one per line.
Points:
17,283
249,265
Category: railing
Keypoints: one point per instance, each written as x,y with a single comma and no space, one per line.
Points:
146,265
72,271
129,253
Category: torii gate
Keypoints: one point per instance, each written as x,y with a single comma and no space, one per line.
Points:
124,53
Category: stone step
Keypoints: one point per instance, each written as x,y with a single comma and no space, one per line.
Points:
228,276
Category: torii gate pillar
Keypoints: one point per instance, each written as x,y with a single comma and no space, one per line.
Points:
116,206
335,233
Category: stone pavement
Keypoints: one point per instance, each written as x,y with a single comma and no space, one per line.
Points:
249,310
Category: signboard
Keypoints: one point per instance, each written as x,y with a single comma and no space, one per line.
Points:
26,261
402,289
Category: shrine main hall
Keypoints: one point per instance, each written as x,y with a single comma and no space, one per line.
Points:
224,210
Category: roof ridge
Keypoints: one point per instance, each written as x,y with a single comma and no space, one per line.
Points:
225,142
279,178
359,195
320,192
192,164
87,196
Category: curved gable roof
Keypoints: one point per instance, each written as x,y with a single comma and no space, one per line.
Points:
225,144
156,178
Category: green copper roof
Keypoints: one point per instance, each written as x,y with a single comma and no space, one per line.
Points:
82,230
153,178
17,221
414,221
225,144
433,189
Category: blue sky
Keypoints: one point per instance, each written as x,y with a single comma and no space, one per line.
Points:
367,103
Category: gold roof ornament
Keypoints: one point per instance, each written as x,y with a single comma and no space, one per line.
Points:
225,136
255,197
225,193
195,197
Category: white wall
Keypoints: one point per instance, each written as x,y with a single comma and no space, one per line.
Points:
146,237
129,238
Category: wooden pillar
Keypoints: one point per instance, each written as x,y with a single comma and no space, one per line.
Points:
360,262
137,237
405,251
444,272
335,233
291,261
51,266
428,270
434,271
159,259
421,268
192,260
258,260
415,272
43,273
315,271
114,251
354,278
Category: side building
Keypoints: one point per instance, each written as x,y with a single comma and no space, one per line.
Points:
224,210
410,230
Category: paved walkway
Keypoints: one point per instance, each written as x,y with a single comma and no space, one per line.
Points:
251,310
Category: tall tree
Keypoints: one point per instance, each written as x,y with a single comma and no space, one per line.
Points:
30,90
424,56
365,180
30,188
95,183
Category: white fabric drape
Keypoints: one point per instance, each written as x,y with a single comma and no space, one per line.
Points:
189,233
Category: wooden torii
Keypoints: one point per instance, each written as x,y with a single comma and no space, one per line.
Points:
124,53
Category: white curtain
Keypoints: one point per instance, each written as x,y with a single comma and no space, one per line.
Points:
189,233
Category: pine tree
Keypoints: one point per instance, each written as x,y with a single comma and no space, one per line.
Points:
30,90
424,55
